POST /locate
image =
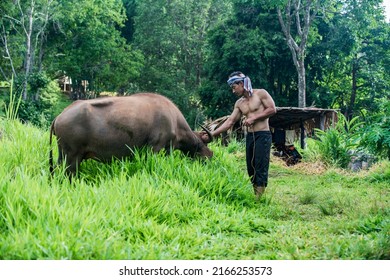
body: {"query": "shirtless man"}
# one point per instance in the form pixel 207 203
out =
pixel 256 105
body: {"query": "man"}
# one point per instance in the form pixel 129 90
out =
pixel 256 105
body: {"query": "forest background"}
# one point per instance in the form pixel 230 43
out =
pixel 323 53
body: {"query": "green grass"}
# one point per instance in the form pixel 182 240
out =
pixel 172 207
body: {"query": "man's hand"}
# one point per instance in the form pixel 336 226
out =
pixel 204 136
pixel 248 122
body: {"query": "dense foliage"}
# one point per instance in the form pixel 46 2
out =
pixel 376 132
pixel 186 49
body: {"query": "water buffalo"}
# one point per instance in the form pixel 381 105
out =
pixel 110 127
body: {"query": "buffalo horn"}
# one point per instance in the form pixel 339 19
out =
pixel 208 132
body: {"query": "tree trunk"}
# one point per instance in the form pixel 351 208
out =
pixel 41 52
pixel 301 84
pixel 298 51
pixel 4 40
pixel 41 37
pixel 29 56
pixel 350 107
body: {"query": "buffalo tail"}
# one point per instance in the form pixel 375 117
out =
pixel 51 166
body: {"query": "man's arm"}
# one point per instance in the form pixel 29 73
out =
pixel 233 118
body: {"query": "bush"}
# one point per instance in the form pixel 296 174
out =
pixel 376 135
pixel 337 143
pixel 311 153
pixel 45 105
pixel 33 112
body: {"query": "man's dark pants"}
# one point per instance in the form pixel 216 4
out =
pixel 258 150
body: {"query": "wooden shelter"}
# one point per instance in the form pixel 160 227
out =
pixel 301 122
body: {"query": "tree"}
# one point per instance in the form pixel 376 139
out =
pixel 300 13
pixel 172 35
pixel 80 38
pixel 363 19
pixel 28 19
pixel 248 41
pixel 349 66
pixel 86 44
pixel 6 61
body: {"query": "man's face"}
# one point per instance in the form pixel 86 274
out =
pixel 238 89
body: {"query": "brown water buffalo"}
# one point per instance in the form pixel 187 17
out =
pixel 110 127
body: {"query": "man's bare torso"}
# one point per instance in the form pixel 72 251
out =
pixel 252 106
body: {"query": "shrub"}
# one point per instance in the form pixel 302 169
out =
pixel 336 144
pixel 41 109
pixel 311 153
pixel 376 135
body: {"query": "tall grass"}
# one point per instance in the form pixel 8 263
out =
pixel 11 110
pixel 158 206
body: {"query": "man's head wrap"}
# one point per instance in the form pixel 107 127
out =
pixel 241 78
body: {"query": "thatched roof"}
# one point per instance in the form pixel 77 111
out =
pixel 288 116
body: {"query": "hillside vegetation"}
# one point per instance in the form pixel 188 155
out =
pixel 172 207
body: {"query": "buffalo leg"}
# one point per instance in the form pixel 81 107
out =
pixel 72 162
pixel 72 166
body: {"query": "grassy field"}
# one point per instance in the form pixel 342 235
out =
pixel 172 207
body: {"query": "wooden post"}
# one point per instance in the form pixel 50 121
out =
pixel 302 134
pixel 322 121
